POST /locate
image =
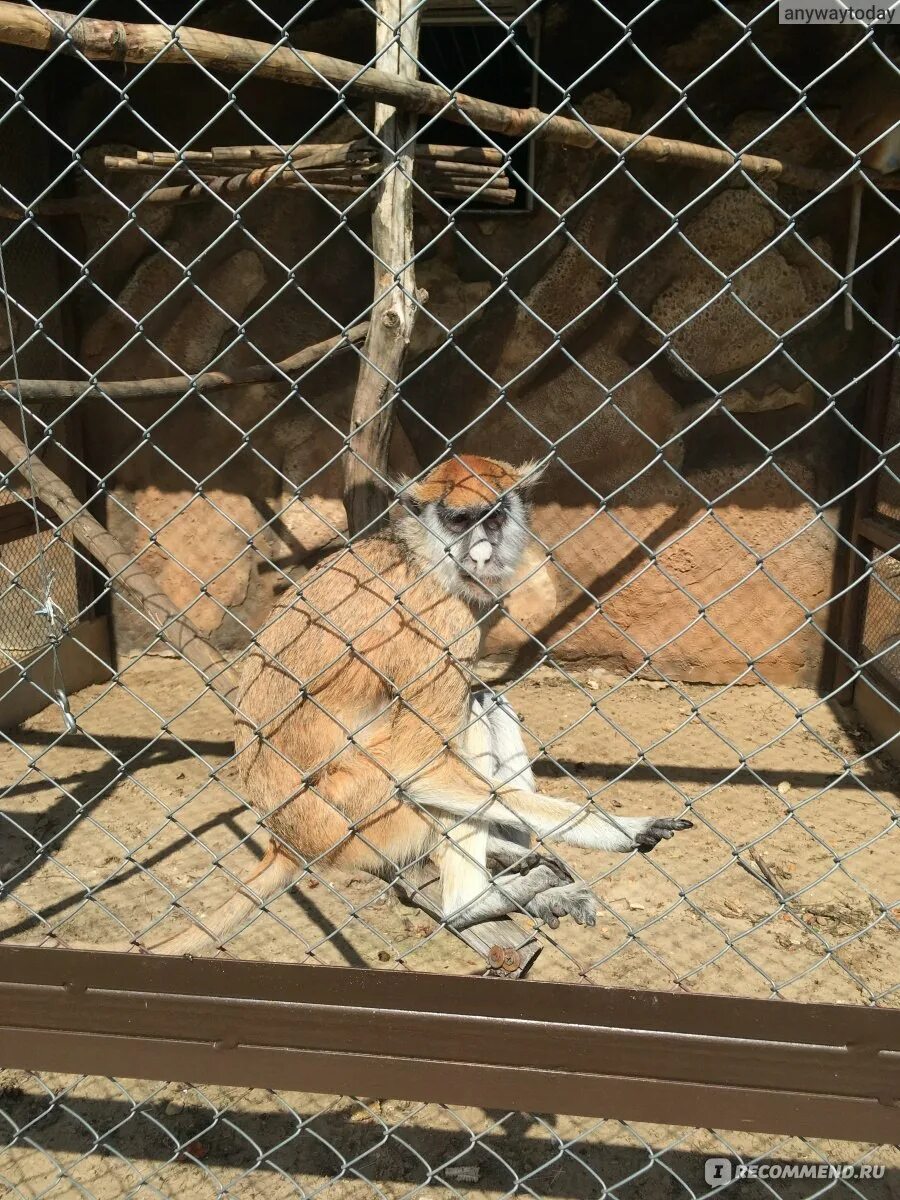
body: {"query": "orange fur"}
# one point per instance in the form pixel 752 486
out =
pixel 358 683
pixel 466 482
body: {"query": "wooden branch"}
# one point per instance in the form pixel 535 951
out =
pixel 234 187
pixel 237 187
pixel 462 154
pixel 438 176
pixel 177 631
pixel 80 205
pixel 240 159
pixel 245 157
pixel 317 172
pixel 446 166
pixel 480 196
pixel 120 41
pixel 66 390
pixel 393 253
pixel 263 156
pixel 313 168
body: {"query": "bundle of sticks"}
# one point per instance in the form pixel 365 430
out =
pixel 344 168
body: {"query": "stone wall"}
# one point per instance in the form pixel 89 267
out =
pixel 655 507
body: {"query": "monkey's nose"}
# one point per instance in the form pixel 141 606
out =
pixel 480 552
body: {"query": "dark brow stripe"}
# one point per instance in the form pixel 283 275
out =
pixel 476 513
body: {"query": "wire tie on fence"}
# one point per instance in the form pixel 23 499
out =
pixel 63 701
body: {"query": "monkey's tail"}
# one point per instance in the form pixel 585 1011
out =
pixel 276 872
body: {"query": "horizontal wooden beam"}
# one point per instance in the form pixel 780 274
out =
pixel 722 1062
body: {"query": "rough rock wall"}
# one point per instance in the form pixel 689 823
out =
pixel 659 503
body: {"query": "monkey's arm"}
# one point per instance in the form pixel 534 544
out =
pixel 451 786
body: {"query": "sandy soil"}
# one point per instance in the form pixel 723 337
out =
pixel 137 814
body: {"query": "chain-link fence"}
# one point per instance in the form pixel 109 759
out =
pixel 649 252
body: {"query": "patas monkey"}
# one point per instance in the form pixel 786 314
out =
pixel 360 742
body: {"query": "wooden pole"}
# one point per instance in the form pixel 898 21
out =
pixel 67 390
pixel 393 253
pixel 120 41
pixel 124 573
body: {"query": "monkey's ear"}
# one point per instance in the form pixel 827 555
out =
pixel 405 492
pixel 530 473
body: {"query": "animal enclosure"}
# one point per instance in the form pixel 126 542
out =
pixel 267 267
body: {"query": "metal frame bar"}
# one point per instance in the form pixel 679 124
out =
pixel 804 1069
pixel 868 531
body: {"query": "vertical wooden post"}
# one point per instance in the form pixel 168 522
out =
pixel 371 422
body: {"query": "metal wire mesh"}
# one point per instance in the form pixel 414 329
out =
pixel 688 348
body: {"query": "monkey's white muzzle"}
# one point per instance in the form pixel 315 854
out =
pixel 481 552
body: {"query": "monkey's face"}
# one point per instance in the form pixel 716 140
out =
pixel 467 521
pixel 476 549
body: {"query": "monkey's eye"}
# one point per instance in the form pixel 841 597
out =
pixel 493 522
pixel 456 521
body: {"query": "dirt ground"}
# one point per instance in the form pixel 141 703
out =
pixel 137 813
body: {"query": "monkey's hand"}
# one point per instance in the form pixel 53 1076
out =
pixel 575 900
pixel 641 833
pixel 656 829
pixel 509 857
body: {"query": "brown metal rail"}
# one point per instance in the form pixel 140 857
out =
pixel 713 1061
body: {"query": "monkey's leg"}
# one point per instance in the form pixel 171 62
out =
pixel 511 761
pixel 507 845
pixel 510 847
pixel 469 896
pixel 516 806
pixel 463 853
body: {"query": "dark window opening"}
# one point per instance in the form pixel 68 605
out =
pixel 483 60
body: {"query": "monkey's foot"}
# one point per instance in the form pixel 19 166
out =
pixel 575 900
pixel 656 829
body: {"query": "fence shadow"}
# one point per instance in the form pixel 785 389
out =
pixel 576 1159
